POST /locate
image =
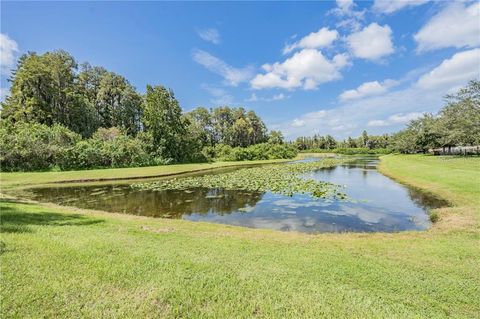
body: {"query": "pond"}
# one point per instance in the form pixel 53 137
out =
pixel 377 203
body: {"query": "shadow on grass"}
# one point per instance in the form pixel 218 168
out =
pixel 16 220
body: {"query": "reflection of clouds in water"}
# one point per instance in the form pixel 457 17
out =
pixel 306 224
pixel 290 203
pixel 391 207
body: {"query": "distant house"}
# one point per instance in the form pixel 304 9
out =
pixel 456 150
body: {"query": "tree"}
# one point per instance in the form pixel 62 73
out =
pixel 330 142
pixel 257 131
pixel 275 137
pixel 163 119
pixel 117 103
pixel 459 121
pixel 42 89
pixel 200 126
pixel 364 139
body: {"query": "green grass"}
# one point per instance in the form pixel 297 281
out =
pixel 454 178
pixel 21 179
pixel 60 262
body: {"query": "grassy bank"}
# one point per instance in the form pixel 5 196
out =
pixel 59 262
pixel 21 179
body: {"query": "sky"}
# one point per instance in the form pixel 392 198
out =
pixel 324 67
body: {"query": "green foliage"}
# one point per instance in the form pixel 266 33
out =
pixel 275 137
pixel 282 179
pixel 48 89
pixel 108 148
pixel 350 151
pixel 225 125
pixel 457 124
pixel 263 151
pixel 26 146
pixel 328 143
pixel 163 119
pixel 434 217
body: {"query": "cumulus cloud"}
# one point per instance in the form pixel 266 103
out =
pixel 209 35
pixel 457 25
pixel 322 38
pixel 389 111
pixel 372 42
pixel 305 69
pixel 8 52
pixel 350 18
pixel 399 118
pixel 391 6
pixel 453 72
pixel 367 89
pixel 233 76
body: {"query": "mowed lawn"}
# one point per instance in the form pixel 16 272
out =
pixel 20 179
pixel 60 262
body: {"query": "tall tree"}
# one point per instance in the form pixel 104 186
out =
pixel 163 119
pixel 275 137
pixel 42 89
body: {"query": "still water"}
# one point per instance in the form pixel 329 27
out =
pixel 377 203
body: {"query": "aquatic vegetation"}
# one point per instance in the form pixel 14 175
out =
pixel 281 179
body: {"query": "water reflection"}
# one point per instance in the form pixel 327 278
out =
pixel 380 204
pixel 168 203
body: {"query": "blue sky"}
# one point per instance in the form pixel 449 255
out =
pixel 306 67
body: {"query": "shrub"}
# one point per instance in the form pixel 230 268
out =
pixel 26 146
pixel 263 151
pixel 434 217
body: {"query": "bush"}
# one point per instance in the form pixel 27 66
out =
pixel 109 148
pixel 263 151
pixel 27 147
pixel 434 217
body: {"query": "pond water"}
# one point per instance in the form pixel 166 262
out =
pixel 377 203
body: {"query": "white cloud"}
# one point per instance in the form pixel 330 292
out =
pixel 453 72
pixel 209 35
pixel 345 5
pixel 377 123
pixel 350 18
pixel 275 97
pixel 399 118
pixel 220 95
pixel 388 112
pixel 367 89
pixel 8 52
pixel 307 69
pixel 457 25
pixel 233 76
pixel 372 42
pixel 390 6
pixel 298 123
pixel 404 118
pixel 322 38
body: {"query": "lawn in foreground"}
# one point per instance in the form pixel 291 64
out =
pixel 72 263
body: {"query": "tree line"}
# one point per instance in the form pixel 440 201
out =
pixel 456 124
pixel 62 114
pixel 59 114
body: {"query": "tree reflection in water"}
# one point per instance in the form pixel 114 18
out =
pixel 168 203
